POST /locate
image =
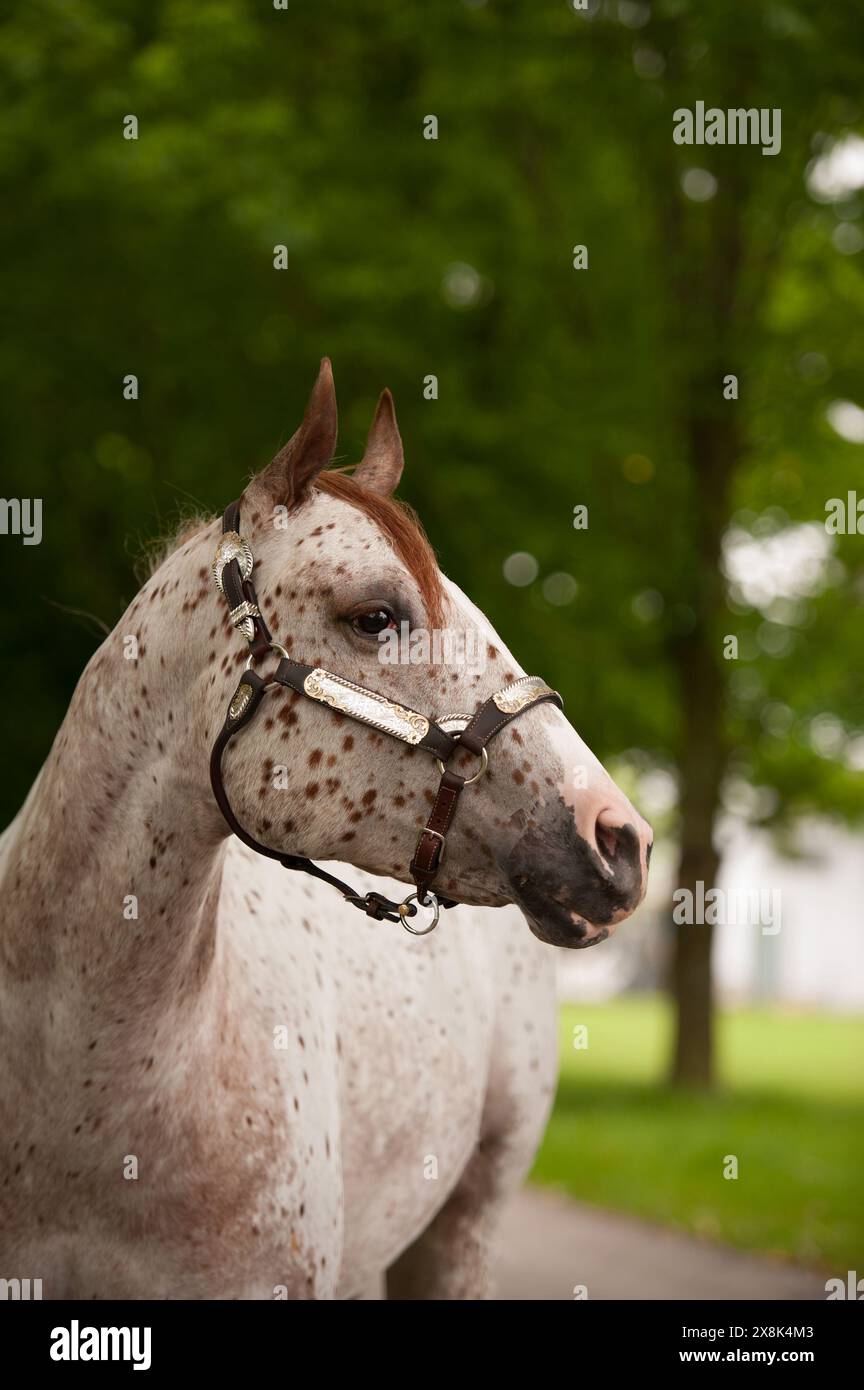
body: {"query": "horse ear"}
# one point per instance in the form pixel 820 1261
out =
pixel 381 465
pixel 309 450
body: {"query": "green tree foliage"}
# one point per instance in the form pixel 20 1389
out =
pixel 407 257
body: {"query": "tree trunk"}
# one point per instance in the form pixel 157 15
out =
pixel 713 446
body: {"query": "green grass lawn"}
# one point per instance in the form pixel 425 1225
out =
pixel 789 1106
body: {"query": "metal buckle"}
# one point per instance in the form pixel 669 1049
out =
pixel 431 901
pixel 438 836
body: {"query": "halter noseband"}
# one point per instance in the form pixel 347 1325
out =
pixel 232 571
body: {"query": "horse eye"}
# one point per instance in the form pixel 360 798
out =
pixel 369 624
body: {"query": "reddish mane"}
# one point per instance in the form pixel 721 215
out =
pixel 401 525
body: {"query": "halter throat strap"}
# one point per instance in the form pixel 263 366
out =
pixel 232 570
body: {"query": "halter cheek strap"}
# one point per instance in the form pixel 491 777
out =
pixel 232 570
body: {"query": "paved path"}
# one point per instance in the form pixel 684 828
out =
pixel 549 1244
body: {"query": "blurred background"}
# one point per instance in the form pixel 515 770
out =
pixel 444 268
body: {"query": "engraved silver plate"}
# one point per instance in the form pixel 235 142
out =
pixel 366 706
pixel 232 547
pixel 516 696
pixel 454 723
pixel 240 702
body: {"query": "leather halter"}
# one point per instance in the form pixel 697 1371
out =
pixel 232 571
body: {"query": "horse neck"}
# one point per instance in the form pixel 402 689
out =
pixel 112 869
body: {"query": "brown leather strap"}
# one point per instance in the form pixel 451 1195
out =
pixel 436 740
pixel 433 836
pixel 489 720
pixel 242 708
pixel 239 590
pixel 243 705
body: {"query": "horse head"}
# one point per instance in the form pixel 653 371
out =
pixel 348 584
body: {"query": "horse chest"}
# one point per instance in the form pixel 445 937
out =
pixel 383 1053
pixel 202 1191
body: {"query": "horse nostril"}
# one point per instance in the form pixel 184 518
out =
pixel 607 840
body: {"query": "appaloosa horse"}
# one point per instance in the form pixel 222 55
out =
pixel 220 1080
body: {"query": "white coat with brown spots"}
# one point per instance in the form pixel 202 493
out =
pixel 219 1080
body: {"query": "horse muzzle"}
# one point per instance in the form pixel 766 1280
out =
pixel 574 890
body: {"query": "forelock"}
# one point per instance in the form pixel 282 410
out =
pixel 400 526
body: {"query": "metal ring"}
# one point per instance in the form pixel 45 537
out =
pixel 274 647
pixel 412 897
pixel 484 763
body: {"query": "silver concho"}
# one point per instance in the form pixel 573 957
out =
pixel 240 702
pixel 516 696
pixel 231 547
pixel 366 706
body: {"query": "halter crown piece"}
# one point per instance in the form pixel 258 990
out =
pixel 232 573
